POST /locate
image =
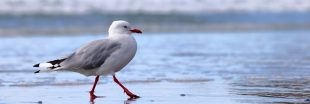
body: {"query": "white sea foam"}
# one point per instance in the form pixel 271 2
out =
pixel 149 6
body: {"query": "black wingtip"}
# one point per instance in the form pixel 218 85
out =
pixel 37 71
pixel 36 65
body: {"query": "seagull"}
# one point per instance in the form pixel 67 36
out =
pixel 100 57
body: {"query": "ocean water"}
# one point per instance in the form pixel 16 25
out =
pixel 169 68
pixel 97 23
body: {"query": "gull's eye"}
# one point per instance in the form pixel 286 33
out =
pixel 125 27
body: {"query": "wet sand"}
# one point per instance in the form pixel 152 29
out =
pixel 216 91
pixel 154 92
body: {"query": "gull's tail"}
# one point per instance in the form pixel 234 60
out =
pixel 48 66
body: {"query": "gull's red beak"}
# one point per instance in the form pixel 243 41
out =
pixel 136 31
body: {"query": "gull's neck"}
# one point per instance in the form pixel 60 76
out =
pixel 115 36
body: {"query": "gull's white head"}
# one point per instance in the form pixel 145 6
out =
pixel 122 27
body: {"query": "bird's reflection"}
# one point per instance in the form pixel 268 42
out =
pixel 130 100
pixel 127 101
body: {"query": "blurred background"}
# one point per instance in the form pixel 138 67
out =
pixel 70 17
pixel 191 51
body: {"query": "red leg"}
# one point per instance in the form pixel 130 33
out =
pixel 130 94
pixel 92 95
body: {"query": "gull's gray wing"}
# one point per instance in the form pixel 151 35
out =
pixel 91 55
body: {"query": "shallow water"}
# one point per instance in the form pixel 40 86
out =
pixel 263 67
